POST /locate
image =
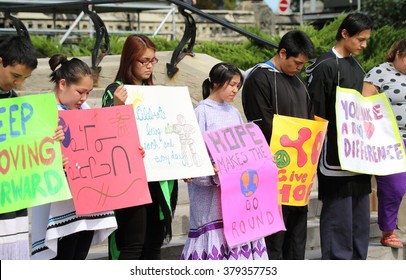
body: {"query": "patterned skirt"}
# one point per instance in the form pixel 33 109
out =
pixel 208 243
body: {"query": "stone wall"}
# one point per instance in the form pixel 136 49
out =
pixel 192 72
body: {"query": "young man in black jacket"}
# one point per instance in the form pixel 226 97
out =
pixel 345 214
pixel 276 87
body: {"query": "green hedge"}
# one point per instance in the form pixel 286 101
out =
pixel 245 54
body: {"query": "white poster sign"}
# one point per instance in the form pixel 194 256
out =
pixel 169 133
pixel 369 141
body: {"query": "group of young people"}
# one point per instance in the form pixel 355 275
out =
pixel 57 231
pixel 272 87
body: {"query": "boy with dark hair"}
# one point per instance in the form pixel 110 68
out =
pixel 345 214
pixel 276 87
pixel 17 61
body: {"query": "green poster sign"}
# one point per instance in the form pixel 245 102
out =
pixel 30 160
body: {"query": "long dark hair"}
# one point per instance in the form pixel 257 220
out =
pixel 134 47
pixel 71 70
pixel 220 74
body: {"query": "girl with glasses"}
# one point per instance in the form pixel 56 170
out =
pixel 141 230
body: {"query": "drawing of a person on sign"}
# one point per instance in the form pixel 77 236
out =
pixel 185 132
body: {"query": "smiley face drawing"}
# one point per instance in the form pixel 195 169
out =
pixel 249 182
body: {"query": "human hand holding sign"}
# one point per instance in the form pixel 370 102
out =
pixel 120 95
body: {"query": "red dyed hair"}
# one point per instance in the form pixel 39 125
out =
pixel 133 49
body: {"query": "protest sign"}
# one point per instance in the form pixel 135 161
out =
pixel 368 140
pixel 105 169
pixel 169 132
pixel 30 160
pixel 248 181
pixel 296 144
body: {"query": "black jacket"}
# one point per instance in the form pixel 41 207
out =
pixel 266 92
pixel 324 76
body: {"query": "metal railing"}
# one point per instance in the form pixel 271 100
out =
pixel 190 34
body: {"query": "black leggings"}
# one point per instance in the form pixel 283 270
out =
pixel 139 233
pixel 74 246
pixel 130 233
pixel 154 237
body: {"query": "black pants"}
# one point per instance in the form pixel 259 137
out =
pixel 139 233
pixel 130 234
pixel 289 244
pixel 74 246
pixel 344 228
pixel 154 236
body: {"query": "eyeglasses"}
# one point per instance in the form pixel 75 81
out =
pixel 154 60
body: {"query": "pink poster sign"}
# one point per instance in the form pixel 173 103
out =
pixel 248 178
pixel 105 169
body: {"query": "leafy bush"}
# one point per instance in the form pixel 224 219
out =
pixel 46 47
pixel 379 44
pixel 244 54
pixel 325 38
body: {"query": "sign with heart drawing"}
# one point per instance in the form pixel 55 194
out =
pixel 369 129
pixel 368 138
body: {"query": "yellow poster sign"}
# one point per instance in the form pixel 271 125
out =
pixel 296 144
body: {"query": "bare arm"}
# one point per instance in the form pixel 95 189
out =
pixel 369 89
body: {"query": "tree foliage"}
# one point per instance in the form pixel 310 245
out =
pixel 386 12
pixel 211 4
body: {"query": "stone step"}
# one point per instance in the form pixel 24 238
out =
pixel 180 226
pixel 313 235
pixel 173 250
pixel 314 206
pixel 378 252
pixel 375 250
